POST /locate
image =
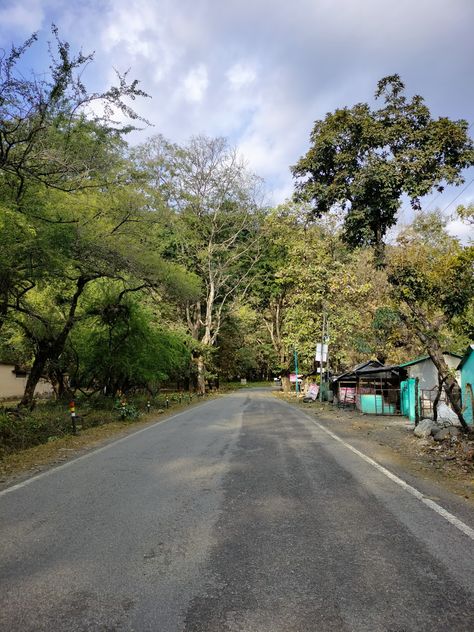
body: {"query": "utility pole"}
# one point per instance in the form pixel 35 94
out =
pixel 323 336
pixel 296 370
pixel 327 355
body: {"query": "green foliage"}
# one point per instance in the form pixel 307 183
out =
pixel 127 411
pixel 49 132
pixel 432 273
pixel 466 213
pixel 121 348
pixel 363 160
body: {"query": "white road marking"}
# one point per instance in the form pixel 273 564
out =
pixel 411 490
pixel 96 451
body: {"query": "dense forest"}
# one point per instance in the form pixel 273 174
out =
pixel 124 266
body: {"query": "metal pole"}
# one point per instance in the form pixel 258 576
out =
pixel 327 355
pixel 322 356
pixel 296 370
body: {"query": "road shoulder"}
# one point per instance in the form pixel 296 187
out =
pixel 390 442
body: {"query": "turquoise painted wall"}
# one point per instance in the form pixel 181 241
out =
pixel 467 377
pixel 408 398
pixel 375 405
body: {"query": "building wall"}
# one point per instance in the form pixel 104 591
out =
pixel 467 377
pixel 427 373
pixel 13 386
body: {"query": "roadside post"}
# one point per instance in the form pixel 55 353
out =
pixel 296 371
pixel 72 410
pixel 148 406
pixel 123 411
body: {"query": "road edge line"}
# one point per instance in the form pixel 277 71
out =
pixel 464 528
pixel 441 511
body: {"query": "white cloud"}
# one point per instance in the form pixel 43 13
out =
pixel 463 231
pixel 241 75
pixel 195 84
pixel 25 18
pixel 262 72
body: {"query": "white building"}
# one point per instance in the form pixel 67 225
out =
pixel 13 381
pixel 424 369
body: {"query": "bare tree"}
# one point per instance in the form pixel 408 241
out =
pixel 215 201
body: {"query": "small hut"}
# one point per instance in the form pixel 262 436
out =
pixel 370 387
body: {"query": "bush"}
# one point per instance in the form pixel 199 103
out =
pixel 18 432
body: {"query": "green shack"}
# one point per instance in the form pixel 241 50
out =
pixel 466 368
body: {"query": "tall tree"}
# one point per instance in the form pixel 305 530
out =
pixel 432 277
pixel 51 138
pixel 364 160
pixel 215 213
pixel 52 128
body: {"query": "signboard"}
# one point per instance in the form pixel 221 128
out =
pixel 312 392
pixel 293 378
pixel 321 353
pixel 347 395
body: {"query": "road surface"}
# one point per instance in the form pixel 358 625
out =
pixel 239 514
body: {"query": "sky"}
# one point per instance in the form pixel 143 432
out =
pixel 260 72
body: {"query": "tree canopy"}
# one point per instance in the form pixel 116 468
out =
pixel 363 160
pixel 125 267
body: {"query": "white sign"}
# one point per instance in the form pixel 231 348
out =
pixel 321 353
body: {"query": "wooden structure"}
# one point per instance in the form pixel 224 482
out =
pixel 370 387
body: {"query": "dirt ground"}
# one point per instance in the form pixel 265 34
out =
pixel 391 440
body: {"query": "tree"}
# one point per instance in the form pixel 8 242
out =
pixel 51 131
pixel 120 347
pixel 362 160
pixel 466 213
pixel 103 235
pixel 214 204
pixel 70 206
pixel 51 139
pixel 244 348
pixel 305 271
pixel 270 292
pixel 432 277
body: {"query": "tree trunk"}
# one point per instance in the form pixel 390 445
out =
pixel 451 387
pixel 34 376
pixel 286 384
pixel 50 350
pixel 437 398
pixel 201 375
pixel 432 346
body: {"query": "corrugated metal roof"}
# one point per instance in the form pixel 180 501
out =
pixel 427 357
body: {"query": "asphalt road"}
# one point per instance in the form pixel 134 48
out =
pixel 239 514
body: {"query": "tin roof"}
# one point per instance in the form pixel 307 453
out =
pixel 427 357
